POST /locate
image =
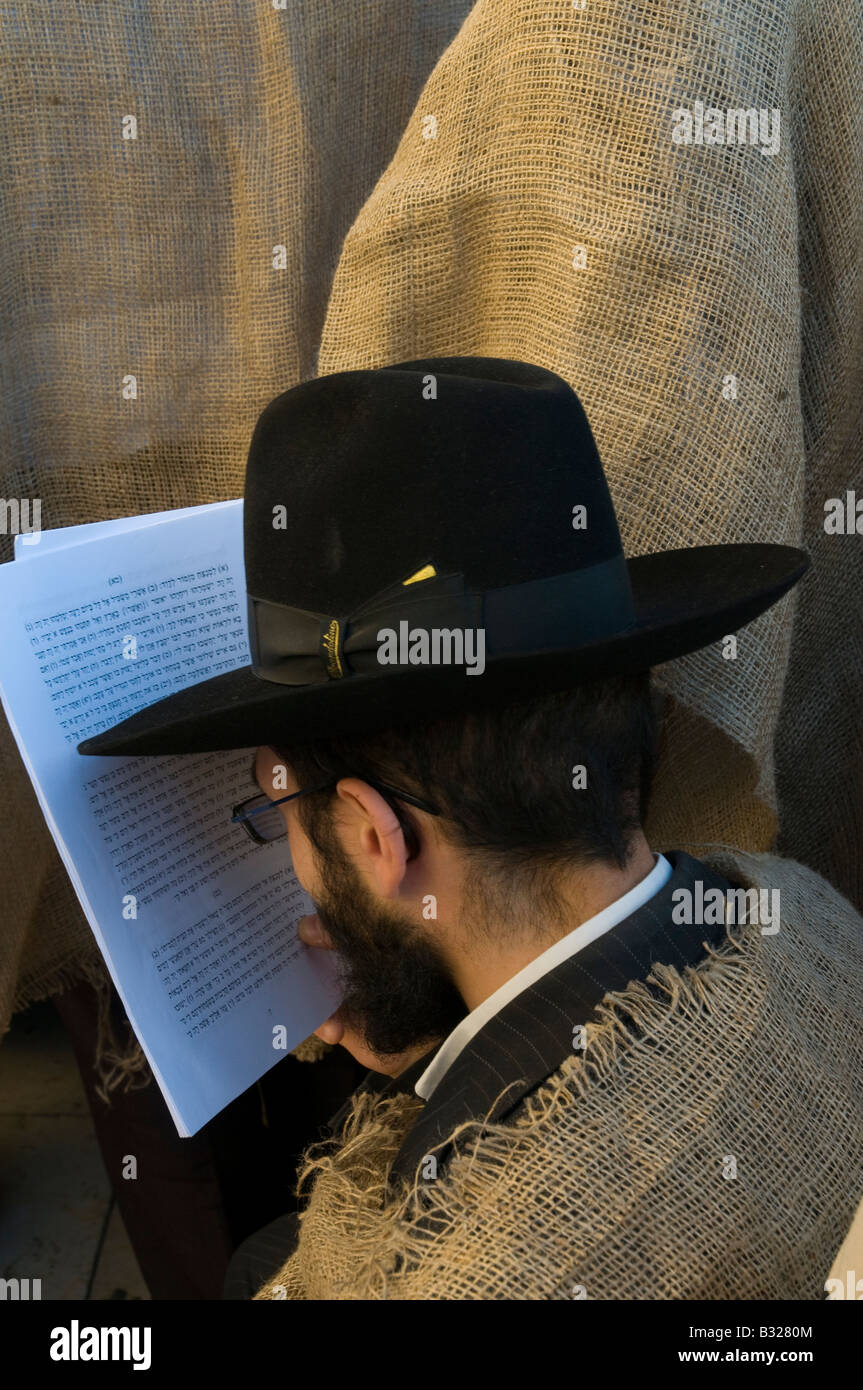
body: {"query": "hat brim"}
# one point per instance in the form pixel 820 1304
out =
pixel 684 600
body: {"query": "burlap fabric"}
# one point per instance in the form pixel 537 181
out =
pixel 708 1143
pixel 257 129
pixel 498 179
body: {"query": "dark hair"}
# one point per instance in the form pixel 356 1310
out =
pixel 502 777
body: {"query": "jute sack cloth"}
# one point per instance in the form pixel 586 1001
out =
pixel 256 129
pixel 548 216
pixel 707 1143
pixel 538 207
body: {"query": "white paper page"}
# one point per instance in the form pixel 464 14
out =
pixel 25 546
pixel 212 962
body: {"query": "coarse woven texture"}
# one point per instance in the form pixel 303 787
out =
pixel 257 129
pixel 708 1142
pixel 544 213
pixel 549 216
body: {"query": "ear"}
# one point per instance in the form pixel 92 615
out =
pixel 373 836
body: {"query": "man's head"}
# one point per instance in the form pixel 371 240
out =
pixel 535 799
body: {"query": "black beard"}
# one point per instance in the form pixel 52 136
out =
pixel 398 991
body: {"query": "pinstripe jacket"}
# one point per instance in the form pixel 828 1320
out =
pixel 519 1047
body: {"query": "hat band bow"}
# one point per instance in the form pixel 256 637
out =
pixel 295 646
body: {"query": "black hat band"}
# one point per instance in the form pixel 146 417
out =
pixel 293 646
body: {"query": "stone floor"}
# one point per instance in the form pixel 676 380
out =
pixel 58 1218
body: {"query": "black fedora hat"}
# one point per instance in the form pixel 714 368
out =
pixel 435 535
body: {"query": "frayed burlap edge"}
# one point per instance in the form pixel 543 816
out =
pixel 375 1128
pixel 118 1064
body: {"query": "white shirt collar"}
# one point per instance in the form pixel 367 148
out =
pixel 567 946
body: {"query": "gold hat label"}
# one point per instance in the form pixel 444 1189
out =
pixel 330 642
pixel 427 572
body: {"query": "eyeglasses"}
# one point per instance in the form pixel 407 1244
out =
pixel 269 824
